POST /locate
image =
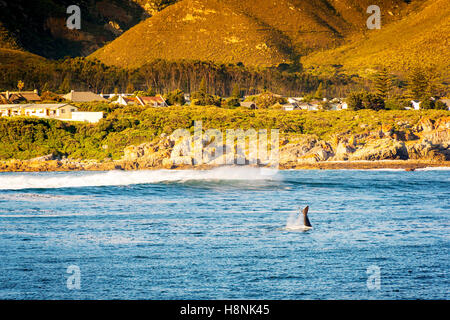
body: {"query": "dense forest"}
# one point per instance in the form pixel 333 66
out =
pixel 162 76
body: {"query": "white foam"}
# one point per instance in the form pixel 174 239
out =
pixel 295 223
pixel 434 169
pixel 123 178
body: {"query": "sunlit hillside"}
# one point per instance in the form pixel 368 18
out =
pixel 255 32
pixel 420 39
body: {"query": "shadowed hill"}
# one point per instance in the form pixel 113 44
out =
pixel 40 26
pixel 255 32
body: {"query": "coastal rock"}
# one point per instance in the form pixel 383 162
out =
pixel 425 125
pixel 294 151
pixel 381 149
pixel 425 150
pixel 321 152
pixel 343 150
pixel 47 157
pixel 441 132
pixel 149 154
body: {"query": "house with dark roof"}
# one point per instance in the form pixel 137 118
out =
pixel 19 97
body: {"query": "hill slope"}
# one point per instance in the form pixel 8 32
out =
pixel 420 39
pixel 255 32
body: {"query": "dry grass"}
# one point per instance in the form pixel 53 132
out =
pixel 255 32
pixel 420 39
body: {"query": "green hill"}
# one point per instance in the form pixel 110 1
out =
pixel 255 32
pixel 421 39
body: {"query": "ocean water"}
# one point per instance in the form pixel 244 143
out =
pixel 227 233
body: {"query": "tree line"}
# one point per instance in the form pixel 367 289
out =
pixel 164 77
pixel 160 76
pixel 389 92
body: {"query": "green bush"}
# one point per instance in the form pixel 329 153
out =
pixel 175 97
pixel 364 100
pixel 429 103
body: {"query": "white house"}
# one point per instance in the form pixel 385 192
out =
pixel 447 102
pixel 59 111
pixel 127 101
pixel 50 110
pixel 290 106
pixel 310 106
pixel 91 117
pixel 339 106
pixel 295 99
pixel 415 104
pixel 156 101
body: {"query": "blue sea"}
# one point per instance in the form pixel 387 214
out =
pixel 227 233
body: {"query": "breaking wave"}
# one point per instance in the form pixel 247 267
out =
pixel 123 178
pixel 434 169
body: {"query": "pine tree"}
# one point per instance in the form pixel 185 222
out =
pixel 150 92
pixel 65 85
pixel 383 83
pixel 418 84
pixel 130 88
pixel 319 92
pixel 236 92
pixel 202 87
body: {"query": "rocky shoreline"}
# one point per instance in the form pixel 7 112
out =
pixel 427 144
pixel 62 166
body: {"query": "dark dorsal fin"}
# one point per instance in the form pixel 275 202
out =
pixel 305 217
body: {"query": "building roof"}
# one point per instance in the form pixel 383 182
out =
pixel 248 104
pixel 85 96
pixel 36 106
pixel 12 97
pixel 30 96
pixel 3 99
pixel 152 100
pixel 19 95
pixel 446 101
pixel 131 99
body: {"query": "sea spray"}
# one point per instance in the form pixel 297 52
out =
pixel 294 221
pixel 16 181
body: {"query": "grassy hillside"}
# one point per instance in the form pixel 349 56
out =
pixel 255 32
pixel 420 39
pixel 40 26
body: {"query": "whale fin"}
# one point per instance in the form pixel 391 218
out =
pixel 305 217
